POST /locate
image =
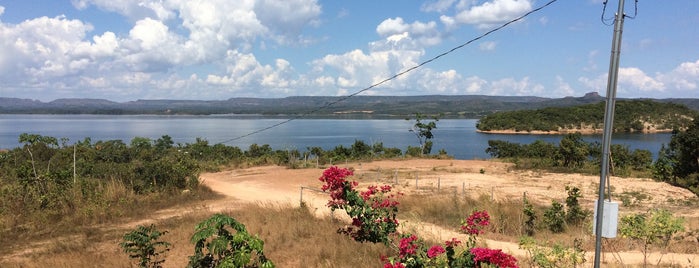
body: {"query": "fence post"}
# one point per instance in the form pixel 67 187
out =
pixel 439 183
pixel 416 177
pixel 463 188
pixel 395 176
pixel 301 197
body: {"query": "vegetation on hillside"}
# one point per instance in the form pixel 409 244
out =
pixel 678 164
pixel 629 116
pixel 571 154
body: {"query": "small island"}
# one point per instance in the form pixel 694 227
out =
pixel 630 116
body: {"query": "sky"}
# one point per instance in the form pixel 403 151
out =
pixel 125 50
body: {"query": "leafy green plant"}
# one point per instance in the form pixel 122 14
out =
pixel 575 214
pixel 144 245
pixel 552 257
pixel 554 217
pixel 217 246
pixel 652 228
pixel 530 220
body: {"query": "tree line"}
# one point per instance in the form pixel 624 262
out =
pixel 629 116
pixel 677 163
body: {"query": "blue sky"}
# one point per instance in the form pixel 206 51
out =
pixel 219 49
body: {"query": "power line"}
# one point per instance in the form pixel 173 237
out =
pixel 395 75
pixel 610 21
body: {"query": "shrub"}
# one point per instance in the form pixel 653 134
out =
pixel 554 217
pixel 144 245
pixel 575 214
pixel 652 228
pixel 216 246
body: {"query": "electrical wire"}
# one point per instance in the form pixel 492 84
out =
pixel 602 18
pixel 395 75
pixel 635 10
pixel 610 21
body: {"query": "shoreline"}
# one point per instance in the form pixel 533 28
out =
pixel 566 131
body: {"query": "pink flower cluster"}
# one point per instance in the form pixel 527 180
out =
pixel 452 243
pixel 407 246
pixel 435 251
pixel 377 198
pixel 475 222
pixel 335 183
pixel 493 256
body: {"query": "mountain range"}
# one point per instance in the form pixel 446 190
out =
pixel 450 106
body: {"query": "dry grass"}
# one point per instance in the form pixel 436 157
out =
pixel 293 238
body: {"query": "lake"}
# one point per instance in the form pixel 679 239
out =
pixel 457 136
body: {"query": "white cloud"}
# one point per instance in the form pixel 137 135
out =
pixel 630 81
pixel 490 13
pixel 487 46
pixel 424 33
pixel 684 77
pixel 41 50
pixel 134 9
pixel 285 19
pixel 563 88
pixel 635 78
pixel 243 71
pixel 2 10
pixel 437 5
pixel 511 86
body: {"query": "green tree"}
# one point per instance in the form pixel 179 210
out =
pixel 503 149
pixel 144 245
pixel 572 150
pixel 663 166
pixel 652 228
pixel 554 217
pixel 163 143
pixel 575 214
pixel 685 149
pixel 679 164
pixel 360 149
pixel 423 131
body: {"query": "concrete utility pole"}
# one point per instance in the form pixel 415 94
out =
pixel 608 126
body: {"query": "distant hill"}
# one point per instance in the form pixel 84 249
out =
pixel 629 116
pixel 459 106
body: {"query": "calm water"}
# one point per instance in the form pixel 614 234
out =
pixel 458 136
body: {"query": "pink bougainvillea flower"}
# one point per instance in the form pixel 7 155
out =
pixel 452 243
pixel 435 251
pixel 475 222
pixel 334 183
pixel 407 246
pixel 493 256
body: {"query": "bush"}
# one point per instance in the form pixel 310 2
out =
pixel 144 245
pixel 554 217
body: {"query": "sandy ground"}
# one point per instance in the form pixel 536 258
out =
pixel 498 180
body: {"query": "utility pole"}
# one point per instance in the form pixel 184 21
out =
pixel 608 126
